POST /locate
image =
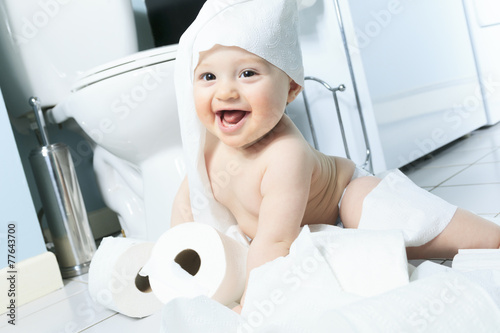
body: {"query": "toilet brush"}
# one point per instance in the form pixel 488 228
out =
pixel 62 202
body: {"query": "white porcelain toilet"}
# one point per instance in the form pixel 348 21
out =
pixel 127 107
pixel 80 58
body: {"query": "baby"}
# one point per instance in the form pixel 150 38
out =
pixel 279 182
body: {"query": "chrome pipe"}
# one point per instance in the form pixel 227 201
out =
pixel 368 158
pixel 337 108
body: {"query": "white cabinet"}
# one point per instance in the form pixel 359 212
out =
pixel 421 74
pixel 415 70
pixel 484 24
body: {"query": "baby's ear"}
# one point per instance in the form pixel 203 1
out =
pixel 294 91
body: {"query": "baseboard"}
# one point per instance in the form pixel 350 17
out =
pixel 31 279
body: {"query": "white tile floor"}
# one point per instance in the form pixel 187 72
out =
pixel 466 173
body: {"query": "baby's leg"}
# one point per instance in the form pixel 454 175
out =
pixel 465 230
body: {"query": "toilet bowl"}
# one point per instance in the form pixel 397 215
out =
pixel 127 108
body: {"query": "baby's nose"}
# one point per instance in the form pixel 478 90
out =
pixel 227 91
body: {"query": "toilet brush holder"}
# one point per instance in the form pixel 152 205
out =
pixel 62 202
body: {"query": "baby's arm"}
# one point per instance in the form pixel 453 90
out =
pixel 285 191
pixel 181 208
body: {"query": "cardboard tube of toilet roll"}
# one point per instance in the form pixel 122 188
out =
pixel 195 259
pixel 114 281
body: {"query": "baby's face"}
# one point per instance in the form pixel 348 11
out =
pixel 240 97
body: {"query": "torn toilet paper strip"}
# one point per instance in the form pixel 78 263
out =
pixel 398 204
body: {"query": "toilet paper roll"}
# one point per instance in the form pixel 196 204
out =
pixel 114 281
pixel 194 259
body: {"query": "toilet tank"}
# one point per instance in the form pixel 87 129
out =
pixel 46 44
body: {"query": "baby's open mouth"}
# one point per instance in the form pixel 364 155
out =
pixel 230 118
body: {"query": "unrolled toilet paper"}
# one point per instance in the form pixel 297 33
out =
pixel 355 254
pixel 427 269
pixel 300 293
pixel 396 203
pixel 474 259
pixel 114 281
pixel 195 259
pixel 481 266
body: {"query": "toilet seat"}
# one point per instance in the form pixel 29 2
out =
pixel 126 64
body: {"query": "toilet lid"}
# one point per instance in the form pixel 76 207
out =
pixel 126 64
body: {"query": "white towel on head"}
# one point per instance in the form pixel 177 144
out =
pixel 267 28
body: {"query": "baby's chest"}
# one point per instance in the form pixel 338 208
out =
pixel 236 184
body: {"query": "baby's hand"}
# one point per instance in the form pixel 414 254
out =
pixel 237 309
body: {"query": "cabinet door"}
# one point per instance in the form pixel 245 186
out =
pixel 421 74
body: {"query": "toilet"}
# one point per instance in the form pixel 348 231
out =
pixel 128 109
pixel 122 100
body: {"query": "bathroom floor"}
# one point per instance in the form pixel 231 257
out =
pixel 465 173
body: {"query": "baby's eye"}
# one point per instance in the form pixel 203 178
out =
pixel 208 77
pixel 248 73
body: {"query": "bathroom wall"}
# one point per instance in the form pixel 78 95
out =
pixel 15 200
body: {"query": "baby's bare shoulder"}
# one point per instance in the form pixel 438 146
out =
pixel 289 151
pixel 288 163
pixel 286 154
